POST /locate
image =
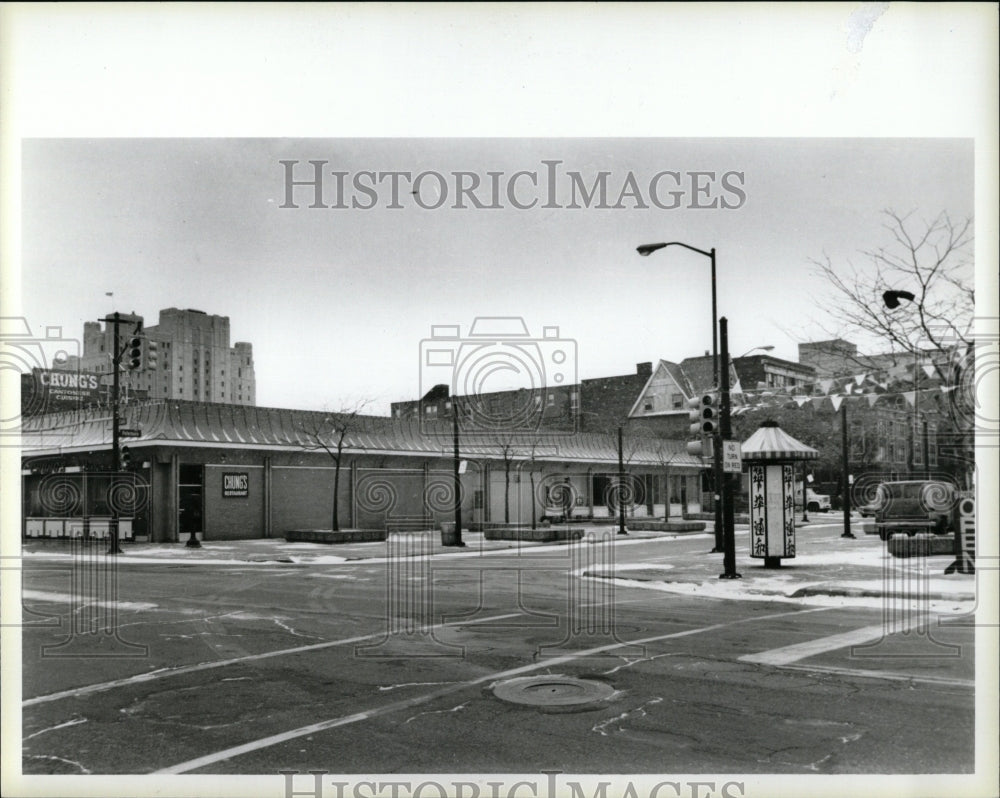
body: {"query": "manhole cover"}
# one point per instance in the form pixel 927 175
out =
pixel 553 691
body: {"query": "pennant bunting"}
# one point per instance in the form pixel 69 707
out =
pixel 908 396
pixel 825 385
pixel 860 378
pixel 836 400
pixel 817 401
pixel 930 371
pixel 801 400
pixel 872 399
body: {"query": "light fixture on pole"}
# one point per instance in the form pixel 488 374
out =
pixel 766 348
pixel 717 481
pixel 891 299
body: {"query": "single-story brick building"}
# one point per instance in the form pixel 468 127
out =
pixel 229 472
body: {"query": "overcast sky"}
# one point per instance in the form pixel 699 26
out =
pixel 336 301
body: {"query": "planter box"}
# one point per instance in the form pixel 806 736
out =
pixel 921 545
pixel 540 535
pixel 343 536
pixel 668 526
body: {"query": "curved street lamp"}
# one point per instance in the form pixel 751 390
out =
pixel 717 477
pixel 891 299
pixel 648 249
pixel 766 348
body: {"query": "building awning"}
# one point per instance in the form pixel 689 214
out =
pixel 185 423
pixel 770 442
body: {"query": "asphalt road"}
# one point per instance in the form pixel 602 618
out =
pixel 389 667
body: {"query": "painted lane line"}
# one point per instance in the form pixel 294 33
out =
pixel 66 598
pixel 793 653
pixel 164 673
pixel 303 731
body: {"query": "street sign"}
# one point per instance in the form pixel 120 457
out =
pixel 130 433
pixel 732 458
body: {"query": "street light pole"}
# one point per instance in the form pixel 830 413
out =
pixel 846 479
pixel 645 250
pixel 891 300
pixel 725 433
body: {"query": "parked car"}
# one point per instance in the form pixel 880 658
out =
pixel 913 506
pixel 868 510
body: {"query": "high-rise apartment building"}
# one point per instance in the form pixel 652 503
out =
pixel 194 360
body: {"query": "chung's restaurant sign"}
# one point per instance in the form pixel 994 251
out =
pixel 67 384
pixel 235 485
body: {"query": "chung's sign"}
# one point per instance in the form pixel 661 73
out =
pixel 235 485
pixel 67 384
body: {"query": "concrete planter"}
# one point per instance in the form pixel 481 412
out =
pixel 668 526
pixel 329 536
pixel 540 535
pixel 921 545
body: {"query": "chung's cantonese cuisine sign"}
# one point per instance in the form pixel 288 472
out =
pixel 235 485
pixel 53 384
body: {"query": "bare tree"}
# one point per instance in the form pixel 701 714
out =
pixel 329 432
pixel 930 259
pixel 505 443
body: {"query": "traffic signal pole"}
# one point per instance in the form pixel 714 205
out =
pixel 717 475
pixel 725 433
pixel 116 359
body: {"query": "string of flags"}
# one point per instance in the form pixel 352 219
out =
pixel 831 392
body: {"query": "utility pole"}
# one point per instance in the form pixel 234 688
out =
pixel 725 433
pixel 116 359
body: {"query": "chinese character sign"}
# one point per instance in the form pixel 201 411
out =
pixel 772 511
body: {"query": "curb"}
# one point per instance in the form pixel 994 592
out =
pixel 805 592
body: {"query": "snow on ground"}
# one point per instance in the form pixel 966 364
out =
pixel 757 589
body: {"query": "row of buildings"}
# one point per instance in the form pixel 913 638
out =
pixel 203 459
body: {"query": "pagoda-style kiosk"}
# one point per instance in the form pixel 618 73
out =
pixel 770 453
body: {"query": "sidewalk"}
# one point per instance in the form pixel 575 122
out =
pixel 855 571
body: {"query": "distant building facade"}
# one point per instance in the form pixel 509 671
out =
pixel 195 360
pixel 765 371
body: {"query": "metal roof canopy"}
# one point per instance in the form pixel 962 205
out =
pixel 772 444
pixel 197 424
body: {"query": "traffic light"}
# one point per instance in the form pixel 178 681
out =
pixel 125 458
pixel 152 351
pixel 703 413
pixel 134 352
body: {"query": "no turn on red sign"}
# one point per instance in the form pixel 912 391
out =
pixel 732 457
